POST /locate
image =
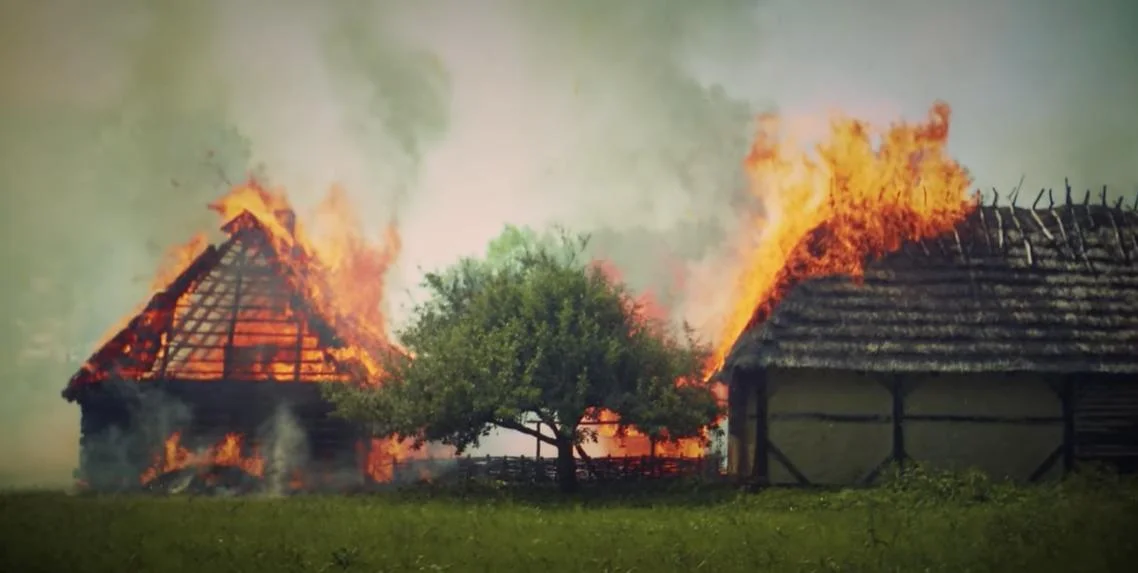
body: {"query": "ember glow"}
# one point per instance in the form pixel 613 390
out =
pixel 853 200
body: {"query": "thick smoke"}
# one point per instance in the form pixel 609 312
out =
pixel 286 448
pixel 120 121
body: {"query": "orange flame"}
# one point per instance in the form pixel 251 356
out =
pixel 228 452
pixel 380 456
pixel 344 271
pixel 854 201
pixel 174 261
pixel 612 439
pixel 630 442
pixel 177 259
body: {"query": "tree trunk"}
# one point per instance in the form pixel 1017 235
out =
pixel 566 467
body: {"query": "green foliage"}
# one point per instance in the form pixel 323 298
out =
pixel 922 485
pixel 709 529
pixel 926 485
pixel 534 332
pixel 514 242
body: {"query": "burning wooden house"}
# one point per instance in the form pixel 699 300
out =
pixel 223 368
pixel 1009 344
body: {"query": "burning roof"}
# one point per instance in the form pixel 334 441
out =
pixel 1007 289
pixel 872 256
pixel 262 305
pixel 863 193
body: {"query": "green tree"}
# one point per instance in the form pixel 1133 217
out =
pixel 533 332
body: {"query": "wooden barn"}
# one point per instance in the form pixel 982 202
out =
pixel 1008 345
pixel 232 352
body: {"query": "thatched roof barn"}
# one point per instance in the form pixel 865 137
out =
pixel 1009 345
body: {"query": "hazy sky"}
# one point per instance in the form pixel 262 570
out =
pixel 456 117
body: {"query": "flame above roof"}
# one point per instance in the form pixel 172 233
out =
pixel 1009 289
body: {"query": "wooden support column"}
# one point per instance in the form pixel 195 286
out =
pixel 896 386
pixel 897 389
pixel 1064 453
pixel 760 464
pixel 737 447
pixel 1067 399
pixel 537 453
pixel 228 359
pixel 301 328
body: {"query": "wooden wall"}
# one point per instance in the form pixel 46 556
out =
pixel 814 426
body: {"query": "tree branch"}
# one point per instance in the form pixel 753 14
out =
pixel 547 420
pixel 512 425
pixel 584 456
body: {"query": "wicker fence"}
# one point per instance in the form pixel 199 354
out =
pixel 523 469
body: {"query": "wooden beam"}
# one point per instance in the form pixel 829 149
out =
pixel 236 310
pixel 760 464
pixel 537 428
pixel 968 419
pixel 1067 399
pixel 942 418
pixel 827 417
pixel 872 474
pixel 897 454
pixel 301 329
pixel 1046 465
pixel 898 393
pixel 786 463
pixel 738 453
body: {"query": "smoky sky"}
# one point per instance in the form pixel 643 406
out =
pixel 120 120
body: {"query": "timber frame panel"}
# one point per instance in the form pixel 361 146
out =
pixel 758 454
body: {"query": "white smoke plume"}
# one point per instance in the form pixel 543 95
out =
pixel 285 449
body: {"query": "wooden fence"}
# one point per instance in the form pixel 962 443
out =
pixel 523 469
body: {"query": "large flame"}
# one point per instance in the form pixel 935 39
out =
pixel 853 200
pixel 343 272
pixel 381 456
pixel 229 452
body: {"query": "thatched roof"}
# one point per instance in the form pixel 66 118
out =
pixel 1010 289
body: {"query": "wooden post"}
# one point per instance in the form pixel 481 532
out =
pixel 897 389
pixel 760 468
pixel 227 363
pixel 1067 400
pixel 301 327
pixel 738 452
pixel 537 428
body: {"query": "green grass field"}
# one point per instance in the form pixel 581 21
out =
pixel 956 525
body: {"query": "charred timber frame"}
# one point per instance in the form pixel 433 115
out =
pixel 762 450
pixel 175 330
pixel 235 310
